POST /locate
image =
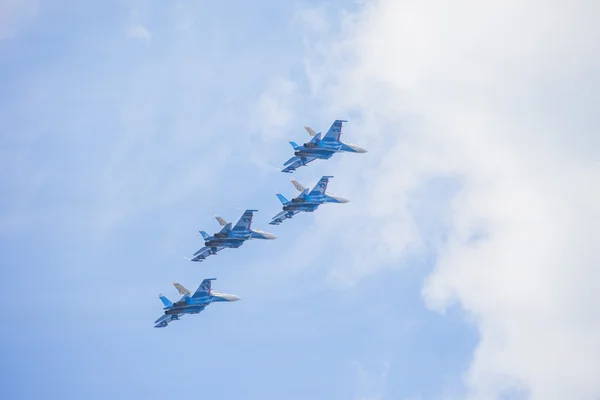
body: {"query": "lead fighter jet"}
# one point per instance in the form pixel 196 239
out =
pixel 190 303
pixel 229 236
pixel 320 148
pixel 306 201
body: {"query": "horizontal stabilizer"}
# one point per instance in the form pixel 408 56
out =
pixel 204 235
pixel 295 145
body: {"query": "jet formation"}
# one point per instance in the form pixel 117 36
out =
pixel 233 236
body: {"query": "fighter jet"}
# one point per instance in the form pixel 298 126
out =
pixel 320 148
pixel 306 201
pixel 190 303
pixel 229 236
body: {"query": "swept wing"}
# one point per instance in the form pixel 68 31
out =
pixel 204 288
pixel 204 252
pixel 334 133
pixel 296 162
pixel 320 187
pixel 245 221
pixel 163 321
pixel 282 216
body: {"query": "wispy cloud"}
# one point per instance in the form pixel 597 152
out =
pixel 139 32
pixel 437 93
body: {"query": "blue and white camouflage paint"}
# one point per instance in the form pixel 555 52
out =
pixel 230 236
pixel 318 148
pixel 307 201
pixel 190 303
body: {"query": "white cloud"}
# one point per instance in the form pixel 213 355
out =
pixel 139 32
pixel 500 97
pixel 275 108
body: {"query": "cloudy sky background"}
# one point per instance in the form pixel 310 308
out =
pixel 464 266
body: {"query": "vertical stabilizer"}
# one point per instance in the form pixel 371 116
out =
pixel 310 131
pixel 165 301
pixel 298 186
pixel 282 199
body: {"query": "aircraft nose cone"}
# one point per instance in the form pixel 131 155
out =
pixel 269 236
pixel 360 149
pixel 233 297
pixel 342 200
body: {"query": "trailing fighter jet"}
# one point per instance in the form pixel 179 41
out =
pixel 190 303
pixel 306 201
pixel 320 148
pixel 229 236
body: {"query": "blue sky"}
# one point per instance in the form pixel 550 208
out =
pixel 126 127
pixel 464 261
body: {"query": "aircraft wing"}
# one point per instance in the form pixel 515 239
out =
pixel 296 162
pixel 163 321
pixel 321 186
pixel 334 133
pixel 282 216
pixel 204 252
pixel 204 288
pixel 245 221
pixel 181 289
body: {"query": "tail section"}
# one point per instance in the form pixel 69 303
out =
pixel 310 131
pixel 304 193
pixel 298 186
pixel 181 289
pixel 282 199
pixel 204 235
pixel 165 301
pixel 221 221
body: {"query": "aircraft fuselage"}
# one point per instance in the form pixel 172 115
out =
pixel 301 206
pixel 230 241
pixel 320 153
